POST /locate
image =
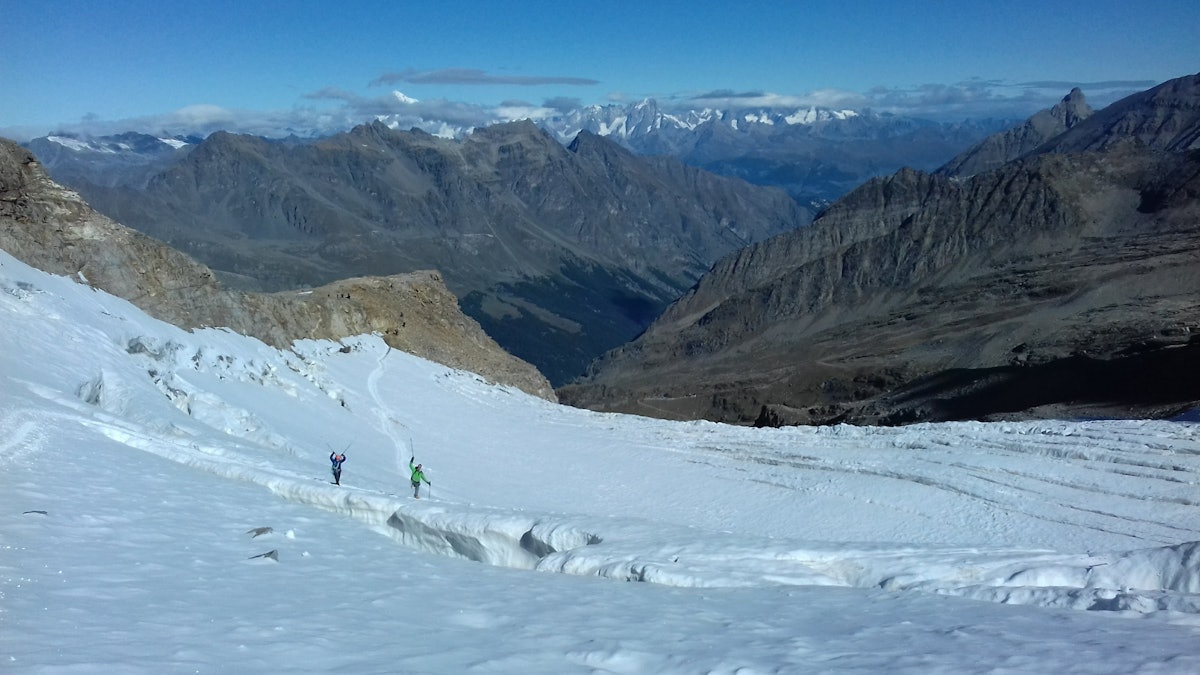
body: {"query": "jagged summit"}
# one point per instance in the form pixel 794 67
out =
pixel 999 149
pixel 1166 117
pixel 1073 109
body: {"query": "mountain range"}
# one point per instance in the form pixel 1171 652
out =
pixel 815 154
pixel 1048 271
pixel 560 252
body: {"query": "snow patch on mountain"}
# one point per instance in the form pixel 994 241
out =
pixel 74 144
pixel 631 121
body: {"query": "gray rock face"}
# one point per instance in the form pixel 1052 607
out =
pixel 53 229
pixel 559 252
pixel 1060 284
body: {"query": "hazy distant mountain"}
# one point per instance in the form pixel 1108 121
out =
pixel 816 154
pixel 559 252
pixel 1063 283
pixel 128 159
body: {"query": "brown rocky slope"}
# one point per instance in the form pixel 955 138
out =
pixel 53 229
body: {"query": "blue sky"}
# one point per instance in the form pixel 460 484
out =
pixel 267 64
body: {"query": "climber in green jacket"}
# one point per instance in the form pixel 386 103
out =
pixel 417 477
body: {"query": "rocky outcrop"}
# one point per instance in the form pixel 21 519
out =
pixel 1059 284
pixel 52 228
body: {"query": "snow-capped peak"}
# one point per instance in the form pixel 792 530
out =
pixel 73 143
pixel 814 115
pixel 625 122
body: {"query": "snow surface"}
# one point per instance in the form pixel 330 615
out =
pixel 78 145
pixel 142 463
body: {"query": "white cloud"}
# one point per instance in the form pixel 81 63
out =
pixel 516 111
pixel 407 100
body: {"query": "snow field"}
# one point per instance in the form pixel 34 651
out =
pixel 139 460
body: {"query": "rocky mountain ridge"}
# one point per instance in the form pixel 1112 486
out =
pixel 1062 283
pixel 999 149
pixel 52 228
pixel 1161 118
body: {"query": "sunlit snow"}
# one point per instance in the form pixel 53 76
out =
pixel 78 145
pixel 167 507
